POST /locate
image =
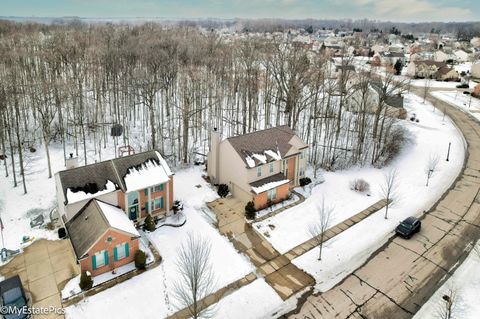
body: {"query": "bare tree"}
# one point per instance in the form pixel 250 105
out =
pixel 197 279
pixel 318 228
pixel 431 166
pixel 389 189
pixel 446 307
pixel 426 89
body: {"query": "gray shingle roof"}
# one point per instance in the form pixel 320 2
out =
pixel 86 227
pixel 275 138
pixel 270 179
pixel 94 177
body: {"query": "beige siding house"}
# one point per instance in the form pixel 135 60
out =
pixel 259 166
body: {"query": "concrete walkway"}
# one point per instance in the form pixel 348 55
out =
pixel 44 268
pixel 286 278
pixel 402 275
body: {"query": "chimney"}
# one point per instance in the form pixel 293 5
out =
pixel 71 162
pixel 213 156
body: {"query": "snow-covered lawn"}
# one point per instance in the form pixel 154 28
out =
pixel 464 102
pixel 151 292
pixel 465 283
pixel 347 251
pixel 255 300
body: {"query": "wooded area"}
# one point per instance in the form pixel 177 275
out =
pixel 170 86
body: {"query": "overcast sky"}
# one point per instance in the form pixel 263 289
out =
pixel 393 10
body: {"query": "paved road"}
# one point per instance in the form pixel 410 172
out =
pixel 402 275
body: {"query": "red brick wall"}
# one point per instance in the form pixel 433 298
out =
pixel 261 201
pixel 144 198
pixel 117 238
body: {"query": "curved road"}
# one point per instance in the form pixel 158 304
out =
pixel 402 275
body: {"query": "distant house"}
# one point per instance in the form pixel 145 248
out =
pixel 461 56
pixel 259 166
pixel 475 71
pixel 431 70
pixel 102 237
pixel 440 56
pixel 138 184
pixel 390 58
pixel 393 103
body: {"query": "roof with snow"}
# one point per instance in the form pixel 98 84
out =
pixel 127 173
pixel 268 183
pixel 265 146
pixel 92 221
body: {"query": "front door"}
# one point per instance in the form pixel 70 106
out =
pixel 132 199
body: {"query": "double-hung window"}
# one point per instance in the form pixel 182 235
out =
pixel 271 167
pixel 259 171
pixel 100 259
pixel 272 194
pixel 157 203
pixel 121 251
pixel 157 188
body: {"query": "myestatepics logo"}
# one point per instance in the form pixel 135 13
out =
pixel 25 310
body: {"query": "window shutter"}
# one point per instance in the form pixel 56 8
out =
pixel 146 191
pixel 161 202
pixel 146 207
pixel 105 253
pixel 115 255
pixel 161 187
pixel 126 250
pixel 94 262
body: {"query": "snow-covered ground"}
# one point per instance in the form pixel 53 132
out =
pixel 342 255
pixel 465 283
pixel 464 102
pixel 255 300
pixel 151 292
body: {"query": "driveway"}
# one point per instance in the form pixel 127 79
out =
pixel 402 275
pixel 284 277
pixel 44 268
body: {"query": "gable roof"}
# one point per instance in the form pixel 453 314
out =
pixel 97 178
pixel 92 221
pixel 264 146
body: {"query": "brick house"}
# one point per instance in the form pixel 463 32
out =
pixel 101 203
pixel 102 237
pixel 138 184
pixel 260 166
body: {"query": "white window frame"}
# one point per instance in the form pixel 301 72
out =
pixel 271 168
pixel 259 171
pixel 269 194
pixel 153 203
pixel 121 254
pixel 100 256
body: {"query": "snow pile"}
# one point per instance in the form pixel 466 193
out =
pixel 250 161
pixel 149 174
pixel 465 282
pixel 117 218
pixel 275 155
pixel 261 158
pixel 74 197
pixel 269 186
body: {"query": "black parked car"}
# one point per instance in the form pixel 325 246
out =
pixel 13 301
pixel 408 227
